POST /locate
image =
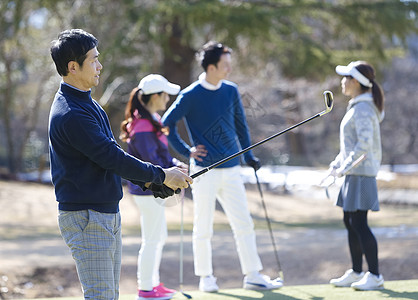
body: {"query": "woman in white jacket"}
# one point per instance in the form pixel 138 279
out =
pixel 360 135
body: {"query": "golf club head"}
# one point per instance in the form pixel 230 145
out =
pixel 329 102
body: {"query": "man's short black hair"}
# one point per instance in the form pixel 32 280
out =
pixel 71 45
pixel 211 52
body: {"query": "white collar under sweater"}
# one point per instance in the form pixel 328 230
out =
pixel 207 85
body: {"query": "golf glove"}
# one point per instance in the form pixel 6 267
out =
pixel 254 163
pixel 160 190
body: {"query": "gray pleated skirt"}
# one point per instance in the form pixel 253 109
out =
pixel 358 193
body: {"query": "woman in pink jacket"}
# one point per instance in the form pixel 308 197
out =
pixel 146 138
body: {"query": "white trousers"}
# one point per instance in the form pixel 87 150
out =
pixel 154 234
pixel 226 185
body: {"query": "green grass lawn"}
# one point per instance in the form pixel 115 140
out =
pixel 403 289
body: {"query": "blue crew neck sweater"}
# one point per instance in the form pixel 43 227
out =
pixel 215 119
pixel 86 162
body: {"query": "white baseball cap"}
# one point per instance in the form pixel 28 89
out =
pixel 155 83
pixel 351 70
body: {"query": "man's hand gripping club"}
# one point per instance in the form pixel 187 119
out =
pixel 175 180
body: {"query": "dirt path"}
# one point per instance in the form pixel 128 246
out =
pixel 34 261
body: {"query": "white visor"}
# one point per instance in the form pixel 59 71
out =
pixel 155 83
pixel 351 70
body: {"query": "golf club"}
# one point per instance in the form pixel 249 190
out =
pixel 269 227
pixel 353 165
pixel 329 103
pixel 181 251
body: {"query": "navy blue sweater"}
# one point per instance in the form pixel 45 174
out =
pixel 215 119
pixel 86 162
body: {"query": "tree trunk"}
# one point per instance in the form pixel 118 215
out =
pixel 8 96
pixel 177 66
pixel 178 58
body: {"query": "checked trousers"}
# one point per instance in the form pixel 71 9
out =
pixel 95 242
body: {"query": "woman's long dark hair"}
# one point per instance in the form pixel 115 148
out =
pixel 378 97
pixel 136 102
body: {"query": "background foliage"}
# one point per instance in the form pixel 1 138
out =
pixel 284 51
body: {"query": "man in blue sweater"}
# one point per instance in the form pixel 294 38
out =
pixel 213 112
pixel 87 165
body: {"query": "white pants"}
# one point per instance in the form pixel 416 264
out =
pixel 154 234
pixel 226 185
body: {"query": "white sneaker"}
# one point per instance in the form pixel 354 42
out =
pixel 261 282
pixel 347 279
pixel 208 284
pixel 369 282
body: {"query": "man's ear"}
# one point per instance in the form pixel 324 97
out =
pixel 72 67
pixel 210 68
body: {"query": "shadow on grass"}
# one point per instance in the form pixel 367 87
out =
pixel 22 232
pixel 400 295
pixel 260 224
pixel 267 295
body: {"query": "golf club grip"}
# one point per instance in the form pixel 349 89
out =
pixel 203 171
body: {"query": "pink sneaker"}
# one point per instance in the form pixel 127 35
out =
pixel 154 294
pixel 161 288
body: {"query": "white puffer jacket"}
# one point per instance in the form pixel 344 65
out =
pixel 360 134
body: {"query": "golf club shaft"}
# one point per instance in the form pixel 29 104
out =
pixel 181 245
pixel 269 226
pixel 204 170
pixel 329 103
pixel 181 250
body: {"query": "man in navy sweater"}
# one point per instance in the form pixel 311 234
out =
pixel 87 165
pixel 213 112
